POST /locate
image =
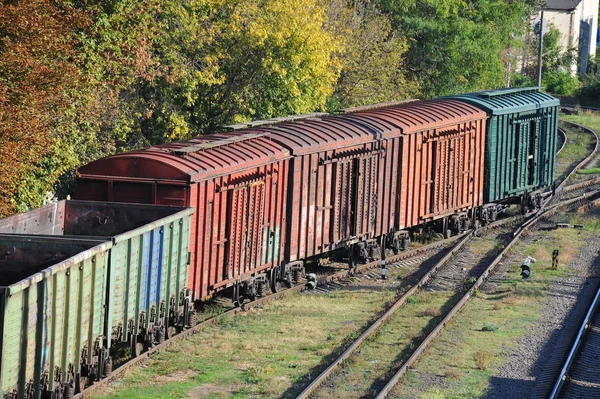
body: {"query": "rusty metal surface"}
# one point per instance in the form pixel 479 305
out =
pixel 419 116
pixel 192 160
pixel 238 227
pixel 334 199
pixel 440 172
pixel 237 183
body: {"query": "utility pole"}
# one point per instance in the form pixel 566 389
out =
pixel 539 74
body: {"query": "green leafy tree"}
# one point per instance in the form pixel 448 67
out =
pixel 177 69
pixel 457 45
pixel 371 56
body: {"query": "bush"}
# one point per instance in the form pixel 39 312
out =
pixel 482 359
pixel 519 80
pixel 589 93
pixel 558 82
pixel 489 327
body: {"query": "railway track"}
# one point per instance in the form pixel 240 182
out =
pixel 337 278
pixel 334 281
pixel 447 276
pixel 581 165
pixel 579 376
pixel 328 377
pixel 563 138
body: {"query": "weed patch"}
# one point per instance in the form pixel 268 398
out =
pixel 483 359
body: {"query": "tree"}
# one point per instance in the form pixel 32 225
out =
pixel 193 66
pixel 371 56
pixel 457 45
pixel 38 67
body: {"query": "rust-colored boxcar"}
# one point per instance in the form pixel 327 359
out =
pixel 237 184
pixel 333 183
pixel 433 166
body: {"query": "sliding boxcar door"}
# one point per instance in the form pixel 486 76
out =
pixel 244 228
pixel 343 204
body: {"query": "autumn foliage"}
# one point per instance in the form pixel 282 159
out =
pixel 82 79
pixel 37 67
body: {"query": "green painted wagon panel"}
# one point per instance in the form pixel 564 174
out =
pixel 521 140
pixel 45 280
pixel 142 259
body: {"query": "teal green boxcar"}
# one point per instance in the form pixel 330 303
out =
pixel 52 295
pixel 521 141
pixel 147 297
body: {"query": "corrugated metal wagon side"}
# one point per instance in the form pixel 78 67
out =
pixel 521 142
pixel 52 314
pixel 434 163
pixel 147 296
pixel 236 182
pixel 333 185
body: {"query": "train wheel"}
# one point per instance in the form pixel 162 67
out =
pixel 170 332
pixel 274 279
pixel 68 390
pixel 238 300
pixel 136 347
pixel 262 288
pixel 108 366
pixel 160 335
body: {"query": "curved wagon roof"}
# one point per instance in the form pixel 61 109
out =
pixel 506 101
pixel 268 141
pixel 191 160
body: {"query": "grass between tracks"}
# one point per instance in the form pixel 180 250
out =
pixel 462 361
pixel 261 353
pixel 578 145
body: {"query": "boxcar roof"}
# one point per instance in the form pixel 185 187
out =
pixel 330 132
pixel 417 116
pixel 506 101
pixel 192 160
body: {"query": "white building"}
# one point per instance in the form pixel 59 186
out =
pixel 577 21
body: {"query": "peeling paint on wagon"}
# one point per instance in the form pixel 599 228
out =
pixel 56 289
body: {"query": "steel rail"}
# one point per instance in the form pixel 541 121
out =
pixel 575 106
pixel 316 383
pixel 412 360
pixel 103 383
pixel 584 162
pixel 564 135
pixel 563 375
pixel 321 378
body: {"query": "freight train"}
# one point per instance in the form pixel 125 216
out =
pixel 268 197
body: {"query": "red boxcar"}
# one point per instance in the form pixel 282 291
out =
pixel 434 160
pixel 237 184
pixel 334 176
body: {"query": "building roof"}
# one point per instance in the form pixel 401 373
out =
pixel 562 5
